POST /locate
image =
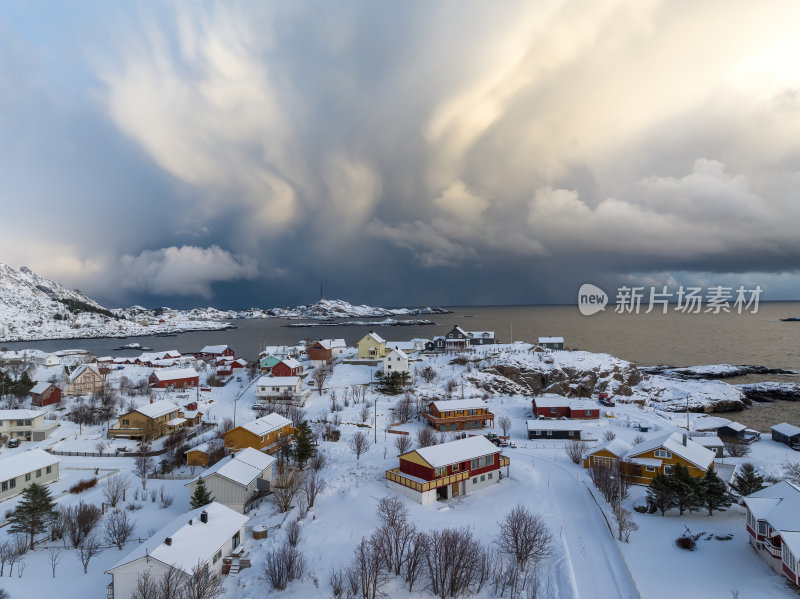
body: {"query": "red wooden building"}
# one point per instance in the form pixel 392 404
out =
pixel 44 394
pixel 772 516
pixel 214 352
pixel 287 367
pixel 556 406
pixel 447 470
pixel 177 378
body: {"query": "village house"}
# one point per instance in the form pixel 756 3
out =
pixel 20 470
pixel 149 421
pixel 458 339
pixel 84 380
pixel 326 350
pixel 200 538
pixel 51 360
pixel 236 480
pixel 554 429
pixel 175 378
pixel 786 433
pixel 199 455
pixel 44 394
pixel 28 425
pixel 287 367
pixel 408 347
pixel 371 347
pixel 558 406
pixel 713 443
pixel 266 363
pixel 284 389
pixel 267 433
pixel 214 352
pixel 735 432
pixel 659 455
pixel 551 342
pixel 458 414
pixel 395 361
pixel 773 527
pixel 447 470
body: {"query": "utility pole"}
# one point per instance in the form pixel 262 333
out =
pixel 687 414
pixel 375 419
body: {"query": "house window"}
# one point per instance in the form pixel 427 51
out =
pixel 125 422
pixel 27 477
pixel 554 410
pixel 490 460
pixel 571 433
pixel 20 423
pixel 667 469
pixel 236 540
pixel 12 484
pixel 49 469
pixel 439 471
pixel 762 527
pixel 38 473
pixel 5 486
pixel 490 475
pixel 549 433
pixel 588 412
pixel 650 468
pixel 217 555
pixel 475 481
pixel 663 453
pixel 455 467
pixel 483 477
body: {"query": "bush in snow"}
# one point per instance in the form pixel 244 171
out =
pixel 358 444
pixel 575 450
pixel 426 437
pixel 687 543
pixel 403 444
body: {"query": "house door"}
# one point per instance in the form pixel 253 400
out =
pixel 441 493
pixel 455 489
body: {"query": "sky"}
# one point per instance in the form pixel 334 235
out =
pixel 411 153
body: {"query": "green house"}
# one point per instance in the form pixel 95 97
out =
pixel 267 362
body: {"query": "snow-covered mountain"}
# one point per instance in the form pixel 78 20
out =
pixel 326 309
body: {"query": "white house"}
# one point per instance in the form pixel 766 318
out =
pixel 20 470
pixel 202 537
pixel 773 527
pixel 29 425
pixel 551 342
pixel 51 360
pixel 395 361
pixel 281 389
pixel 236 480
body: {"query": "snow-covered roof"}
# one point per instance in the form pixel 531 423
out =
pixel 278 381
pixel 787 429
pixel 19 414
pixel 481 334
pixel 554 425
pixel 792 540
pixel 735 426
pixel 214 350
pixel 377 338
pixel 459 404
pixel 551 340
pixel 397 352
pixel 171 353
pixel 647 462
pixel 27 461
pixel 266 424
pixel 778 504
pixel 176 421
pixel 692 452
pixel 149 356
pixel 243 467
pixel 157 408
pixel 332 343
pixel 174 374
pixel 456 451
pixel 402 345
pixel 616 446
pixel 291 363
pixel 192 541
pixel 166 362
pixel 558 401
pixel 708 441
pixel 40 387
pixel 269 360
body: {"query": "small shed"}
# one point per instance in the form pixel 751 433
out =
pixel 786 433
pixel 554 429
pixel 44 394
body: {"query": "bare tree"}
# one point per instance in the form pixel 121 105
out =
pixel 609 436
pixel 118 528
pixel 575 450
pixel 415 559
pixel 426 437
pixel 313 485
pixel 317 461
pixel 358 444
pixel 736 450
pixel 321 374
pixel 79 521
pixel 625 522
pixel 365 412
pixel 224 426
pixel 428 374
pixel 791 471
pixel 114 488
pixel 54 556
pixel 89 548
pixel 171 584
pixel 143 464
pixel 285 485
pixel 203 584
pixel 337 582
pixel 401 412
pixel 452 562
pixel 293 533
pixel 283 565
pixel 368 568
pixel 524 536
pixel 504 422
pixel 146 587
pixel 638 439
pixel 296 414
pixel 403 444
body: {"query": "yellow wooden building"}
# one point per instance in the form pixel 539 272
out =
pixel 372 347
pixel 267 433
pixel 458 414
pixel 150 421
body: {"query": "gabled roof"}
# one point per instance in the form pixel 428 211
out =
pixel 81 369
pixel 377 338
pixel 332 343
pixel 190 543
pixel 157 408
pixel 291 363
pixel 398 352
pixel 269 361
pixel 19 414
pixel 41 387
pixel 214 350
pixel 787 429
pixel 456 451
pixel 692 452
pixel 481 334
pixel 174 374
pixel 778 504
pixel 712 441
pixel 242 468
pixel 266 424
pixel 551 340
pixel 27 461
pixel 459 404
pixel 735 426
pixel 551 400
pixel 616 446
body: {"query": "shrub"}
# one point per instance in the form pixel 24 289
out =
pixel 82 485
pixel 687 543
pixel 642 509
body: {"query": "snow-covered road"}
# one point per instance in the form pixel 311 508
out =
pixel 593 566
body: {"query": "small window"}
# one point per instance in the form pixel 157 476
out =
pixel 490 475
pixel 549 433
pixel 475 481
pixel 455 467
pixel 554 410
pixel 125 422
pixel 49 469
pixel 12 484
pixel 667 469
pixel 483 477
pixel 5 486
pixel 588 412
pixel 650 468
pixel 38 473
pixel 27 476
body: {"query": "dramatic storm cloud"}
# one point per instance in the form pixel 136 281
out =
pixel 449 152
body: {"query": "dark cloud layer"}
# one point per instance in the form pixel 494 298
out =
pixel 415 153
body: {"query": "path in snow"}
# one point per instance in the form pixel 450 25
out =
pixel 595 563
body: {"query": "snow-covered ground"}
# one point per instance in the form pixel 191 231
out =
pixel 587 561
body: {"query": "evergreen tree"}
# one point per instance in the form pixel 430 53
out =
pixel 660 494
pixel 747 480
pixel 304 448
pixel 200 496
pixel 686 489
pixel 34 512
pixel 714 492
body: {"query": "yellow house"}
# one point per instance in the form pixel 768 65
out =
pixel 149 421
pixel 264 434
pixel 657 456
pixel 372 347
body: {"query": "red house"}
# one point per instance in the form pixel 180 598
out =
pixel 556 406
pixel 177 378
pixel 447 470
pixel 287 367
pixel 214 352
pixel 44 394
pixel 773 515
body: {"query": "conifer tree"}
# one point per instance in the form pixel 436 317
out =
pixel 686 489
pixel 304 448
pixel 34 512
pixel 201 495
pixel 747 480
pixel 714 493
pixel 660 494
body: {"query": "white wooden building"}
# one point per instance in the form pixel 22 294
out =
pixel 28 425
pixel 21 469
pixel 395 361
